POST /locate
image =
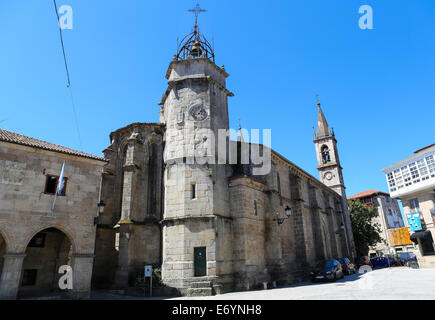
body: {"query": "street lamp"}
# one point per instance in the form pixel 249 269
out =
pixel 288 213
pixel 101 206
pixel 341 229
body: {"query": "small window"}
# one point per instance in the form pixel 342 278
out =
pixel 413 204
pixel 193 191
pixel 325 155
pixel 29 277
pixel 51 185
pixel 255 208
pixel 38 241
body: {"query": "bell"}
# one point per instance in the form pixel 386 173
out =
pixel 196 50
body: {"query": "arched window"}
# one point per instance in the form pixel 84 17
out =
pixel 326 158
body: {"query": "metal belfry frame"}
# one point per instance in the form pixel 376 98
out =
pixel 195 45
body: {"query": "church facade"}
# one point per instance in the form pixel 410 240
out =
pixel 209 219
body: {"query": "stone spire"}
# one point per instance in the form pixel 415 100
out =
pixel 322 125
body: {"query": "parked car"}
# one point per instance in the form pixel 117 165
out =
pixel 364 261
pixel 408 257
pixel 329 270
pixel 379 262
pixel 348 266
pixel 395 260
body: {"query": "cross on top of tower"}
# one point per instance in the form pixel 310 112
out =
pixel 197 10
pixel 195 45
pixel 317 98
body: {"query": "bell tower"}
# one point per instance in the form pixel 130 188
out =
pixel 330 171
pixel 196 221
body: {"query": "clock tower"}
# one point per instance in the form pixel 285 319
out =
pixel 330 170
pixel 196 221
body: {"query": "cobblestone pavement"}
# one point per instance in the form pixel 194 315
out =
pixel 398 283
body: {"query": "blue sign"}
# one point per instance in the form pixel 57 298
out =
pixel 414 221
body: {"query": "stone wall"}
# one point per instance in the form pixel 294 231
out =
pixel 132 188
pixel 26 210
pixel 248 211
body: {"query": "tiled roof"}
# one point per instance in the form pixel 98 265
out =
pixel 427 147
pixel 13 137
pixel 367 193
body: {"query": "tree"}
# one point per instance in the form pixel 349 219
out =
pixel 366 232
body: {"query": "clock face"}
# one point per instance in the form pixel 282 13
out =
pixel 328 175
pixel 198 112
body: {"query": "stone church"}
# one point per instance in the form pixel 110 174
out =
pixel 213 225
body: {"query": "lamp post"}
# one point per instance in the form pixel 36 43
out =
pixel 288 213
pixel 101 206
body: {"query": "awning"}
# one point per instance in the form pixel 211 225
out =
pixel 420 234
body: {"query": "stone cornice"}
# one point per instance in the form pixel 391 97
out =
pixel 173 62
pixel 205 217
pixel 172 84
pixel 324 138
pixel 329 165
pixel 246 181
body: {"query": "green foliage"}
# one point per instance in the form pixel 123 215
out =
pixel 366 232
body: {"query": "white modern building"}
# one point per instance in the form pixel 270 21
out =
pixel 412 180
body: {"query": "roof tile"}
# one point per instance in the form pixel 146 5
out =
pixel 13 137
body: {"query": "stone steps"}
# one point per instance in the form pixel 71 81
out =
pixel 201 284
pixel 200 288
pixel 199 292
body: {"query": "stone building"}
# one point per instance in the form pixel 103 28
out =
pixel 36 238
pixel 412 180
pixel 389 218
pixel 181 195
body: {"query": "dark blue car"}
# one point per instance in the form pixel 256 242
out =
pixel 329 270
pixel 379 262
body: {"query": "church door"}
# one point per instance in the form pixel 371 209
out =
pixel 200 262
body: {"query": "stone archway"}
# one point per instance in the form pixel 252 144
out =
pixel 45 253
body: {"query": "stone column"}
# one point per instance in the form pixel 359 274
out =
pixel 297 209
pixel 123 269
pixel 131 169
pixel 316 223
pixel 11 275
pixel 274 262
pixel 82 273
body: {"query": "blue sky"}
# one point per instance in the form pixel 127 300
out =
pixel 376 86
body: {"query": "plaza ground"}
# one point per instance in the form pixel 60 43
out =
pixel 398 283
